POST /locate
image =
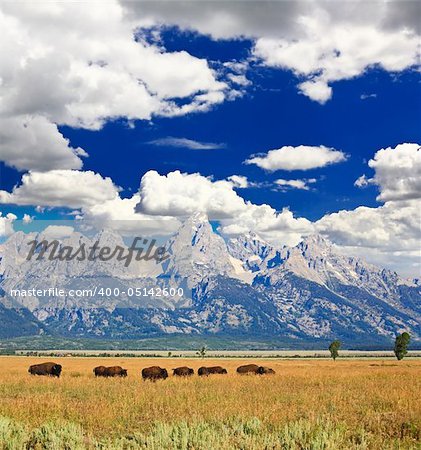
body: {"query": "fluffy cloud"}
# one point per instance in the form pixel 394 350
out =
pixel 346 51
pixel 93 72
pixel 362 181
pixel 302 157
pixel 6 224
pixel 27 219
pixel 180 195
pixel 120 214
pixel 317 90
pixel 221 20
pixel 389 235
pixel 97 198
pixel 295 184
pixel 280 228
pixel 66 188
pixel 32 142
pixel 269 19
pixel 240 181
pixel 185 143
pixel 397 172
pixel 57 231
pixel 393 226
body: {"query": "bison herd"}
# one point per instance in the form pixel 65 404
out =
pixel 151 373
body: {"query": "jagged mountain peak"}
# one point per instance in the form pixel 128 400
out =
pixel 197 251
pixel 315 244
pixel 249 240
pixel 195 230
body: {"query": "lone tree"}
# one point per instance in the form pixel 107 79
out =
pixel 401 345
pixel 334 349
pixel 202 351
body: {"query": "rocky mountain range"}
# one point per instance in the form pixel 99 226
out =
pixel 238 287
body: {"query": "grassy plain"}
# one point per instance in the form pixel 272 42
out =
pixel 308 404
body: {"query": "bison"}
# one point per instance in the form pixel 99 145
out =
pixel 154 373
pixel 248 369
pixel 266 371
pixel 183 371
pixel 49 369
pixel 205 371
pixel 115 371
pixel 100 371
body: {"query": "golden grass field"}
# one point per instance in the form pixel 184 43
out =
pixel 366 403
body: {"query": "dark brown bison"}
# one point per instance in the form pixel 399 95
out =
pixel 183 371
pixel 115 371
pixel 100 371
pixel 49 369
pixel 205 371
pixel 266 370
pixel 154 373
pixel 248 369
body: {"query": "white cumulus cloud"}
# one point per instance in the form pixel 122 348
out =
pixel 390 234
pixel 345 51
pixel 27 219
pixel 57 231
pixel 240 181
pixel 397 172
pixel 33 142
pixel 120 214
pixel 303 157
pixel 65 188
pixel 6 224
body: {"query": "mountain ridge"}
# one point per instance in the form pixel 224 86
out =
pixel 242 286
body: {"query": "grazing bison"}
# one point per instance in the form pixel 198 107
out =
pixel 248 368
pixel 205 371
pixel 115 371
pixel 100 371
pixel 154 373
pixel 183 371
pixel 49 369
pixel 266 370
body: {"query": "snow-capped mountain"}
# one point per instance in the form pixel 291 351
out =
pixel 243 286
pixel 197 252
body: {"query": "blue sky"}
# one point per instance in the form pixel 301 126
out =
pixel 377 105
